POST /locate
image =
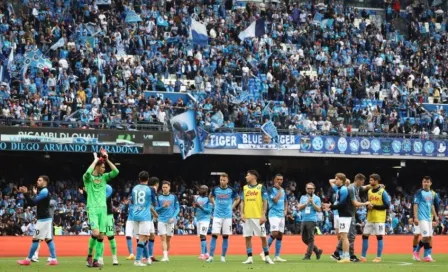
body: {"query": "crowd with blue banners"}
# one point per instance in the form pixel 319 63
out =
pixel 308 67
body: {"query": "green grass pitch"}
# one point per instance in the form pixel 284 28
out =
pixel 393 263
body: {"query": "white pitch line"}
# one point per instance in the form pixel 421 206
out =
pixel 403 263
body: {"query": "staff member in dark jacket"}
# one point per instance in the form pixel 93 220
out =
pixel 310 205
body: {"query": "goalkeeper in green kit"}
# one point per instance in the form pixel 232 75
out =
pixel 95 181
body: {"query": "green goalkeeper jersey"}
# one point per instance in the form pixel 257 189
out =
pixel 96 187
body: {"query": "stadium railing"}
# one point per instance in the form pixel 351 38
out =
pixel 144 126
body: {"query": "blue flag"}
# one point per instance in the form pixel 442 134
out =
pixel 186 134
pixel 161 22
pixel 132 17
pixel 203 135
pixel 270 130
pixel 217 120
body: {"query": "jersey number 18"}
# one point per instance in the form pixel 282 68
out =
pixel 140 197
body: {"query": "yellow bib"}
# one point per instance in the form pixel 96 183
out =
pixel 376 199
pixel 253 201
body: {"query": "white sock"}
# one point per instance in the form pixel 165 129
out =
pixel 165 254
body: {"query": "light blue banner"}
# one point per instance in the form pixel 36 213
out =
pixel 331 144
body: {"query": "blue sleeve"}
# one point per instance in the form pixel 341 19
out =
pixel 386 199
pixel 234 194
pixel 386 202
pixel 436 200
pixel 213 192
pixel 271 193
pixel 159 207
pixel 208 208
pixel 264 193
pixel 109 191
pixel 417 197
pixel 176 207
pixel 317 201
pixel 301 201
pixel 42 195
pixel 153 197
pixel 334 188
pixel 343 194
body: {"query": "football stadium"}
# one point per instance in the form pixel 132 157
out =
pixel 217 135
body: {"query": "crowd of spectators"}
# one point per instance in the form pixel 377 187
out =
pixel 17 218
pixel 323 68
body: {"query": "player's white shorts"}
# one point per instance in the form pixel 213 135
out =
pixel 44 230
pixel 203 227
pixel 129 230
pixel 344 224
pixel 416 229
pixel 277 224
pixel 336 221
pixel 252 227
pixel 374 229
pixel 165 228
pixel 425 228
pixel 224 224
pixel 143 228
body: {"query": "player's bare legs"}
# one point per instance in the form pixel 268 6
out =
pixel 165 247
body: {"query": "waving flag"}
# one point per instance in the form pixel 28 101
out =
pixel 58 44
pixel 198 33
pixel 103 2
pixel 256 29
pixel 161 22
pixel 270 130
pixel 90 29
pixel 35 58
pixel 203 135
pixel 132 17
pixel 186 134
pixel 217 120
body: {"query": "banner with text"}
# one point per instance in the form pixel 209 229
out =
pixel 331 144
pixel 79 140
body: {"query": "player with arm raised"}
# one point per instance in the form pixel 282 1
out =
pixel 142 198
pixel 44 225
pixel 253 213
pixel 168 209
pixel 110 228
pixel 224 198
pixel 203 210
pixel 95 180
pixel 424 210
